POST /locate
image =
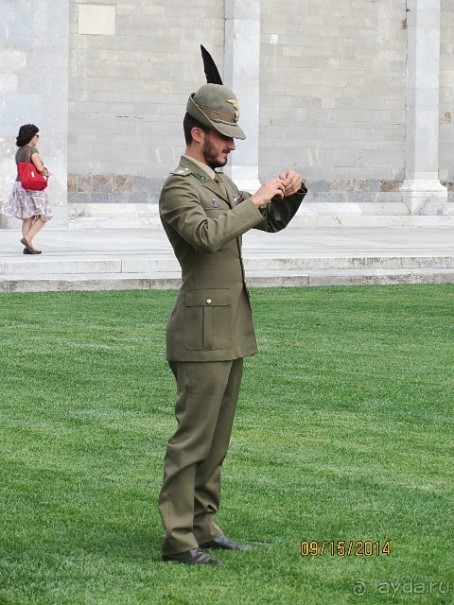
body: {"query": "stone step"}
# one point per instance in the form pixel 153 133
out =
pixel 42 265
pixel 140 281
pixel 100 259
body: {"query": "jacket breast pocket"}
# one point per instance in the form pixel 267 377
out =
pixel 207 319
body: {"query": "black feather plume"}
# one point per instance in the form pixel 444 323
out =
pixel 209 66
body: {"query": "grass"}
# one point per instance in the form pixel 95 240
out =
pixel 344 432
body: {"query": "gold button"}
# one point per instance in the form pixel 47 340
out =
pixel 208 301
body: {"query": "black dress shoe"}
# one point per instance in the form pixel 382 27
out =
pixel 225 543
pixel 195 556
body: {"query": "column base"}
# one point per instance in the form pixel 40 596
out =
pixel 5 222
pixel 424 197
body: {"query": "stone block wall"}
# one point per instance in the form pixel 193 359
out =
pixel 333 95
pixel 129 88
pixel 115 77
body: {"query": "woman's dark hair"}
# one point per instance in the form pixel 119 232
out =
pixel 26 134
pixel 188 124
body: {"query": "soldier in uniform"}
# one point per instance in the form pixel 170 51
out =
pixel 210 329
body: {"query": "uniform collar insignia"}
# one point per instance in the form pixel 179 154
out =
pixel 201 177
pixel 214 203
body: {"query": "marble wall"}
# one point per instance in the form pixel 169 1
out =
pixel 323 87
pixel 34 46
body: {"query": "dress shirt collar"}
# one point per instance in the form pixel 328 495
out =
pixel 206 169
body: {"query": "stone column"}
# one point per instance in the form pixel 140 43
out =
pixel 422 191
pixel 242 73
pixel 34 43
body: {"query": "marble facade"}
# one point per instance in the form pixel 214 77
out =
pixel 357 96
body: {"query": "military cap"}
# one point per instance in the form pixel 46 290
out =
pixel 216 106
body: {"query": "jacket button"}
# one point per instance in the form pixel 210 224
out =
pixel 208 301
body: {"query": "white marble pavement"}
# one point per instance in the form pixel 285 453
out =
pixel 102 259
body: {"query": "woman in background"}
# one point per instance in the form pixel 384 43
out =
pixel 31 207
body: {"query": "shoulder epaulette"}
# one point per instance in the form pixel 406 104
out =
pixel 181 171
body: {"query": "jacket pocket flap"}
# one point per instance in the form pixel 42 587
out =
pixel 217 297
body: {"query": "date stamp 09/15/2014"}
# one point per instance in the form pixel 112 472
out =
pixel 345 548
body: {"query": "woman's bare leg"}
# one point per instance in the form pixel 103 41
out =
pixel 31 226
pixel 26 225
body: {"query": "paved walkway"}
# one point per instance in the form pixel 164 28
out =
pixel 98 259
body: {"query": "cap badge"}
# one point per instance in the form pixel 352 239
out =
pixel 236 107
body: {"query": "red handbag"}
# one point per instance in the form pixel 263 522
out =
pixel 29 176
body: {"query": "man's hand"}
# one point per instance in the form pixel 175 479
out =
pixel 267 191
pixel 292 182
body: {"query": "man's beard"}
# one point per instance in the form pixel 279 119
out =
pixel 210 157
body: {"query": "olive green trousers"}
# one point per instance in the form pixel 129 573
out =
pixel 207 394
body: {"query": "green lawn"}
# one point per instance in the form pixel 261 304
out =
pixel 344 432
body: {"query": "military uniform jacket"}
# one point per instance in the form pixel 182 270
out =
pixel 212 319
